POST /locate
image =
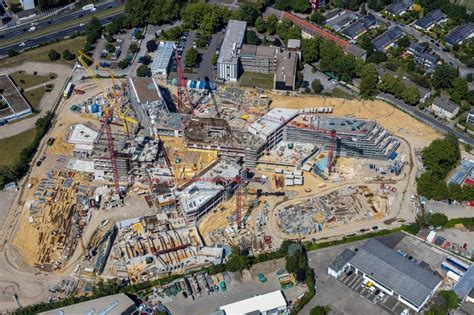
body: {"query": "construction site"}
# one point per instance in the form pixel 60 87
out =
pixel 142 178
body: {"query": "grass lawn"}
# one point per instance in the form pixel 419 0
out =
pixel 26 80
pixel 261 80
pixel 11 147
pixel 41 53
pixel 337 92
pixel 34 97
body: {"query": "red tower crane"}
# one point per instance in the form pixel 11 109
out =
pixel 181 85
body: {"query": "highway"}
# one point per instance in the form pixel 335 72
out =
pixel 55 33
pixel 425 117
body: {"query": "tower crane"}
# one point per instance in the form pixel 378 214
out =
pixel 181 86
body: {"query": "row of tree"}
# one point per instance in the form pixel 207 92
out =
pixel 395 86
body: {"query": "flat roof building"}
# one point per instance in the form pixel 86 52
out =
pixel 270 303
pixel 12 104
pixel 117 304
pixel 393 274
pixel 162 60
pixel 285 73
pixel 228 61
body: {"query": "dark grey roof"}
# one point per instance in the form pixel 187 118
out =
pixel 360 26
pixel 356 51
pixel 430 18
pixel 427 57
pixel 386 38
pixel 341 260
pixel 465 284
pixel 334 13
pixel 459 34
pixel 450 107
pixel 392 270
pixel 395 8
pixel 416 49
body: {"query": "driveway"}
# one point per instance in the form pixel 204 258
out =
pixel 47 101
pixel 326 81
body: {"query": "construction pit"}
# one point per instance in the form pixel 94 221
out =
pixel 339 207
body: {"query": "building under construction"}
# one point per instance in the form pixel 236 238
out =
pixel 148 247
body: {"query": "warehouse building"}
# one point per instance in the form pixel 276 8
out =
pixel 162 61
pixel 12 104
pixel 391 273
pixel 270 303
pixel 112 305
pixel 228 64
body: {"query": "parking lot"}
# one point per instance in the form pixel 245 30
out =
pixel 372 294
pixel 326 81
pixel 205 67
pixel 332 292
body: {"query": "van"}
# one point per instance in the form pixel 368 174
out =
pixel 32 29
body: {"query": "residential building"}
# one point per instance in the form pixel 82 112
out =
pixel 431 19
pixel 444 107
pixel 342 20
pixel 261 59
pixel 285 73
pixel 387 39
pixel 270 303
pixel 360 27
pixel 228 62
pixel 310 30
pixel 293 45
pixel 459 34
pixel 331 15
pixel 162 60
pixel 12 103
pixel 422 56
pixel 112 305
pixel 391 273
pixel 399 8
pixel 27 4
pixel 470 118
pixel 464 287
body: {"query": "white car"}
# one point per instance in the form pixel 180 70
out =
pixel 381 295
pixel 81 25
pixel 22 44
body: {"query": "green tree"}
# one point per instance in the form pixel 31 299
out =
pixel 459 90
pixel 467 147
pixel 192 57
pixel 260 25
pixel 247 12
pixel 317 17
pixel 110 47
pixel 162 11
pixel 369 79
pixel 310 50
pixel 450 298
pixel 12 52
pixel 317 86
pixel 441 155
pixel 93 30
pixel 146 60
pixel 272 22
pixel 143 71
pixel 122 64
pixel 411 95
pixel 443 76
pixel 237 261
pixel 151 45
pixel 67 55
pixel 133 47
pixel 377 57
pixel 404 41
pixel 252 38
pixel 320 310
pixel 214 59
pixel 53 55
pixel 298 6
pixel 437 219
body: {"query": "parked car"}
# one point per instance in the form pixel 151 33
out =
pixel 350 272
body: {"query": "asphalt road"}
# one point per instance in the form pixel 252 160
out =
pixel 56 34
pixel 426 118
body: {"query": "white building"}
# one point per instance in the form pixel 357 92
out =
pixel 12 103
pixel 270 303
pixel 27 4
pixel 228 61
pixel 444 107
pixel 162 60
pixel 389 272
